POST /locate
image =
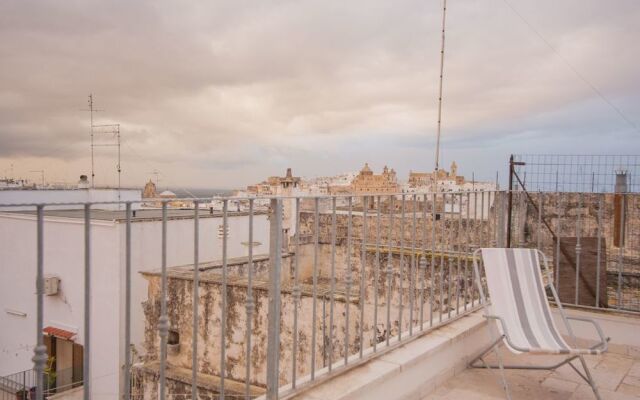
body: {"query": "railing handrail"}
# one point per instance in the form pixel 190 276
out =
pixel 202 200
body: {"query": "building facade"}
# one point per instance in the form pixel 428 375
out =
pixel 368 182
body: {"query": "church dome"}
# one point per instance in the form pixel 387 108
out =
pixel 167 193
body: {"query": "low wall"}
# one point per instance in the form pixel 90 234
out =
pixel 410 371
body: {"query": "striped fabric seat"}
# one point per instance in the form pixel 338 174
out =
pixel 518 297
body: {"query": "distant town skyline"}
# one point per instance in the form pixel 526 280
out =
pixel 221 95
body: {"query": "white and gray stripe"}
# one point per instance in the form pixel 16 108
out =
pixel 517 294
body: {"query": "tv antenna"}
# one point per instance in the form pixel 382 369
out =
pixel 112 131
pixel 156 173
pixel 91 111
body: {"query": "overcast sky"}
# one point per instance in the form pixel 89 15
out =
pixel 226 93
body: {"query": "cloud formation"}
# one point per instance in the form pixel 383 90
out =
pixel 221 94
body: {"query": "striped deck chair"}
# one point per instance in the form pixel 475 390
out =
pixel 519 305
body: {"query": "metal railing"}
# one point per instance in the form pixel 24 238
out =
pixel 346 278
pixel 576 173
pixel 592 241
pixel 22 385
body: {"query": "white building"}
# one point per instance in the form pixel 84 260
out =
pixel 79 195
pixel 64 259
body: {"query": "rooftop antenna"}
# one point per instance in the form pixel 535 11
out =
pixel 156 173
pixel 91 111
pixel 444 14
pixel 41 171
pixel 114 131
pixel 104 129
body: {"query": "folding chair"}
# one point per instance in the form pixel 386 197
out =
pixel 518 302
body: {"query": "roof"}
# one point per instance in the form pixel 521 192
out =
pixel 58 332
pixel 167 193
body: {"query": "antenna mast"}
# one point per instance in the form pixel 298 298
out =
pixel 156 173
pixel 444 14
pixel 108 129
pixel 91 126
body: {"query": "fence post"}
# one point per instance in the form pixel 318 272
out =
pixel 275 264
pixel 500 210
pixel 510 200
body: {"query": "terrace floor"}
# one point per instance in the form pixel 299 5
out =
pixel 617 377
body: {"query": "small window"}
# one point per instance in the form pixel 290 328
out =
pixel 174 337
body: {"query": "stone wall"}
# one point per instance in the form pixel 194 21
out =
pixel 576 214
pixel 180 306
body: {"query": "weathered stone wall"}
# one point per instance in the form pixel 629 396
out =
pixel 576 214
pixel 180 306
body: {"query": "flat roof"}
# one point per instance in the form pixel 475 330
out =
pixel 141 215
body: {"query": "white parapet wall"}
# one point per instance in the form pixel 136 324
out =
pixel 417 368
pixel 46 196
pixel 410 371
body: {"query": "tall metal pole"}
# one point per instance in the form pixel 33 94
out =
pixel 512 171
pixel 119 168
pixel 444 14
pixel 91 128
pixel 510 206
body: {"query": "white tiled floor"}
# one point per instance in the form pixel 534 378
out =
pixel 617 376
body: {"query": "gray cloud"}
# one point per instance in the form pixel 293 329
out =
pixel 224 93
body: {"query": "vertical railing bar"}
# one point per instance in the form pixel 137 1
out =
pixel 423 260
pixel 558 234
pixel 377 275
pixel 40 351
pixel 127 307
pixel 296 296
pixel 493 200
pixel 86 376
pixel 324 328
pixel 483 224
pixel 163 321
pixel 433 258
pixel 333 278
pixel 540 205
pixel 475 240
pixel 449 257
pixel 621 244
pixel 196 300
pixel 273 330
pixel 443 233
pixel 598 251
pixel 401 269
pixel 314 306
pixel 459 253
pixel 363 256
pixel 223 316
pixel 390 268
pixel 467 248
pixel 250 306
pixel 412 269
pixel 348 280
pixel 578 248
